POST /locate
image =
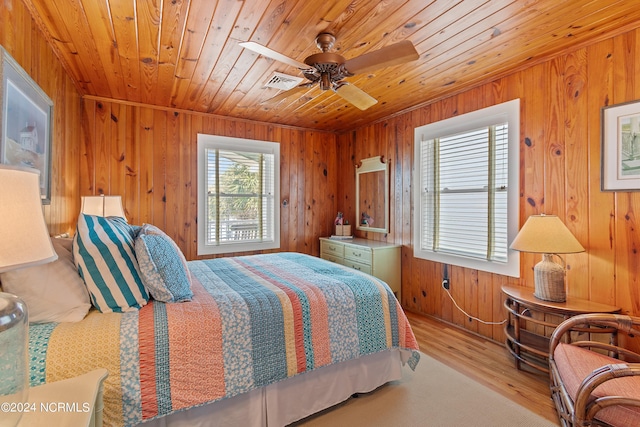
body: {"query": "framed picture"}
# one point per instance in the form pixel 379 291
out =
pixel 26 125
pixel 621 147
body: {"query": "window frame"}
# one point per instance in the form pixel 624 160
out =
pixel 506 112
pixel 207 141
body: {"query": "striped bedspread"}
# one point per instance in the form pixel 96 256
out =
pixel 254 320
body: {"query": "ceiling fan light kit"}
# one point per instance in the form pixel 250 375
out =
pixel 328 69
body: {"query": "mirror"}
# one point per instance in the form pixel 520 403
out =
pixel 372 195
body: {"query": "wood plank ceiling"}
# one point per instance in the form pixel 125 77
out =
pixel 185 54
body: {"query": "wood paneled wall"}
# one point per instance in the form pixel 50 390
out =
pixel 20 36
pixel 561 100
pixel 148 156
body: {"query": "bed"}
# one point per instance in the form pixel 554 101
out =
pixel 264 340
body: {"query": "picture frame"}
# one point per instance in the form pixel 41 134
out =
pixel 621 147
pixel 26 125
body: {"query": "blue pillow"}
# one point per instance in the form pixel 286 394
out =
pixel 162 265
pixel 103 250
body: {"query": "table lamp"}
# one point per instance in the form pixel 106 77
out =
pixel 24 242
pixel 102 206
pixel 546 234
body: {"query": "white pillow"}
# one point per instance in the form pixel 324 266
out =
pixel 53 292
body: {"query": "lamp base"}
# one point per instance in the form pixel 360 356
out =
pixel 14 357
pixel 549 280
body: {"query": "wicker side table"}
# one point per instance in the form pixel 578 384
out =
pixel 531 322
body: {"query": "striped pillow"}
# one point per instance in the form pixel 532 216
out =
pixel 103 251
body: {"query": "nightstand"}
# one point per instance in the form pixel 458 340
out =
pixel 532 320
pixel 74 402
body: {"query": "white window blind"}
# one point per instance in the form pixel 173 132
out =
pixel 465 177
pixel 239 195
pixel 467 189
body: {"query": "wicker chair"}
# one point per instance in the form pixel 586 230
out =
pixel 595 383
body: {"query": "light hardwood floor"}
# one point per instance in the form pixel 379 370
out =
pixel 485 361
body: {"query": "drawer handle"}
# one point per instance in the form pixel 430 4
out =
pixel 356 254
pixel 332 249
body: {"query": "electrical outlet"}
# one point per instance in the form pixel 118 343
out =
pixel 445 284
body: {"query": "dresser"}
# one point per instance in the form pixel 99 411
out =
pixel 379 259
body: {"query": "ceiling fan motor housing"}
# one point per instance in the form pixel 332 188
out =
pixel 327 67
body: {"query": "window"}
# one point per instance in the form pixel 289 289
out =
pixel 466 192
pixel 238 195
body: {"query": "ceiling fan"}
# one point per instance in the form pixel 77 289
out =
pixel 328 69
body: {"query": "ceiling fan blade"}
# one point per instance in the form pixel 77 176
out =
pixel 355 96
pixel 270 53
pixel 394 54
pixel 287 93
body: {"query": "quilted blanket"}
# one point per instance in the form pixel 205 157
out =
pixel 254 320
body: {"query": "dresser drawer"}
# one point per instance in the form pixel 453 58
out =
pixel 332 248
pixel 331 257
pixel 365 268
pixel 360 255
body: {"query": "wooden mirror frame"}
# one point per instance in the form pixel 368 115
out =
pixel 373 165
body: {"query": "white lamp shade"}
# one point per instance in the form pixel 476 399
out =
pixel 103 206
pixel 24 237
pixel 546 234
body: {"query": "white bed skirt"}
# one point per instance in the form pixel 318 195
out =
pixel 290 400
